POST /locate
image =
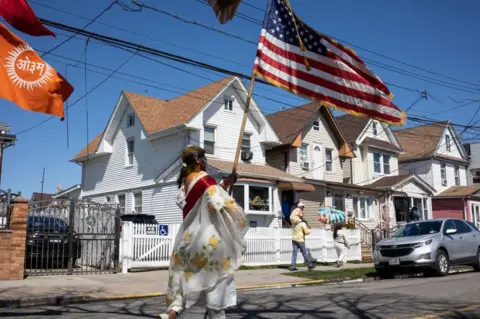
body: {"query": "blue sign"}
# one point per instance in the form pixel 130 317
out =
pixel 163 230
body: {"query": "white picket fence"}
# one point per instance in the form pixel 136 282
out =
pixel 148 246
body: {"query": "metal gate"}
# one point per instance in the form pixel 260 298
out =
pixel 72 237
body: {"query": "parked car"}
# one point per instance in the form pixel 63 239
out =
pixel 48 243
pixel 432 245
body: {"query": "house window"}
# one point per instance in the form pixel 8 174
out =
pixel 239 195
pixel 362 207
pixel 328 160
pixel 457 175
pixel 425 209
pixel 259 198
pixel 108 199
pixel 121 203
pixel 338 202
pixel 137 202
pixel 209 140
pixel 130 151
pixel 130 120
pixel 228 103
pixel 447 140
pixel 386 164
pixel 443 173
pixel 246 143
pixel 304 153
pixel 374 126
pixel 316 125
pixel 377 165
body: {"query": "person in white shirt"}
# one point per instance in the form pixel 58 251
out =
pixel 341 244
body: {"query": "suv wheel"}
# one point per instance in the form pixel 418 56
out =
pixel 476 264
pixel 442 263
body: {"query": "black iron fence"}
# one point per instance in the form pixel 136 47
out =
pixel 72 237
pixel 6 208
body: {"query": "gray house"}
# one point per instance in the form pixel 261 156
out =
pixel 473 171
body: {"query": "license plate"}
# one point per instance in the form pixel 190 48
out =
pixel 394 262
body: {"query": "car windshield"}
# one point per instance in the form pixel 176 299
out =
pixel 41 223
pixel 419 229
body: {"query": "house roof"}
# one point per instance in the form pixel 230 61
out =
pixel 66 191
pixel 158 115
pixel 41 197
pixel 420 142
pixel 389 182
pixel 352 126
pixel 90 149
pixel 460 191
pixel 381 144
pixel 254 171
pixel 289 124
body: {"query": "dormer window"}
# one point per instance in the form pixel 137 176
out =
pixel 447 141
pixel 228 103
pixel 374 126
pixel 130 120
pixel 316 125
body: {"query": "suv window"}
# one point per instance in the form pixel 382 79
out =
pixel 462 227
pixel 473 225
pixel 449 224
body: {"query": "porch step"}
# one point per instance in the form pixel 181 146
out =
pixel 367 253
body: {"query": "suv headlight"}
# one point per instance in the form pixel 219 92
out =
pixel 424 243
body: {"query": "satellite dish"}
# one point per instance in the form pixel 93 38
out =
pixel 59 188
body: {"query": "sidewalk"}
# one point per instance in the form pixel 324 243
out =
pixel 70 289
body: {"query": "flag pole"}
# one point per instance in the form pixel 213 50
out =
pixel 242 129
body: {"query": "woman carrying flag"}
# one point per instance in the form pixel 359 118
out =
pixel 210 243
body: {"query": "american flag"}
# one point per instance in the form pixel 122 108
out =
pixel 336 76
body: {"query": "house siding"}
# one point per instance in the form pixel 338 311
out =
pixel 382 130
pixel 474 161
pixel 448 208
pixel 347 171
pixel 442 147
pixel 227 126
pixel 276 159
pixel 313 201
pixel 422 168
pixel 160 201
pixel 450 171
pixel 325 138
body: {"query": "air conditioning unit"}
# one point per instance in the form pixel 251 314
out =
pixel 444 182
pixel 305 165
pixel 247 156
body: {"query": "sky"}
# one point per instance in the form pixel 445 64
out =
pixel 439 36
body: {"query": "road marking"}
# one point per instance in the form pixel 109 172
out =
pixel 439 314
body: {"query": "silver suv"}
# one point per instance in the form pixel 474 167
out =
pixel 433 244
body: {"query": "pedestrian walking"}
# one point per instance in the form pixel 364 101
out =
pixel 299 231
pixel 341 244
pixel 297 215
pixel 210 243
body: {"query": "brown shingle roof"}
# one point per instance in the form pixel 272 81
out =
pixel 351 125
pixel 381 144
pixel 389 181
pixel 289 124
pixel 252 170
pixel 158 115
pixel 460 191
pixel 420 141
pixel 92 147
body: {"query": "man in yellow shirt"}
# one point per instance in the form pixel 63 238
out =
pixel 299 230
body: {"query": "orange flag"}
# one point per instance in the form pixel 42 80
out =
pixel 27 80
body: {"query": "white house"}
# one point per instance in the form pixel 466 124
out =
pixel 435 154
pixel 135 161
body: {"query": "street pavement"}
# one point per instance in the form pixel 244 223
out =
pixel 456 296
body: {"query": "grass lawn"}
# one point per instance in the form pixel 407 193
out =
pixel 335 274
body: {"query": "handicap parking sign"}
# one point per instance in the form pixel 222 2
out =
pixel 163 230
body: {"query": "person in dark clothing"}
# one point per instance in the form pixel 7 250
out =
pixel 413 215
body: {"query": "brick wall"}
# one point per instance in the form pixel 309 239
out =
pixel 12 242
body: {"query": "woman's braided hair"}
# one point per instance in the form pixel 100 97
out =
pixel 189 161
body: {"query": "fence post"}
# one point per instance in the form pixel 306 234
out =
pixel 71 228
pixel 373 239
pixel 127 245
pixel 118 222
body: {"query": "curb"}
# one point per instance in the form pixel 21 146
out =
pixel 64 300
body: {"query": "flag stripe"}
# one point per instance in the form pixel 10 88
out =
pixel 347 107
pixel 309 77
pixel 336 75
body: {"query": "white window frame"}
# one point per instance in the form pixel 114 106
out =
pixel 122 210
pixel 246 199
pixel 448 141
pixel 369 208
pixel 135 204
pixel 210 141
pixel 374 128
pixel 245 148
pixel 476 215
pixel 443 173
pixel 329 161
pixel 109 199
pixel 382 163
pixel 228 103
pixel 456 172
pixel 316 125
pixel 130 156
pixel 131 120
pixel 303 153
pixel 379 162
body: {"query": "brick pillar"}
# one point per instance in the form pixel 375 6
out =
pixel 18 229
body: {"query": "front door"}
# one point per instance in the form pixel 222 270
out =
pixel 317 165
